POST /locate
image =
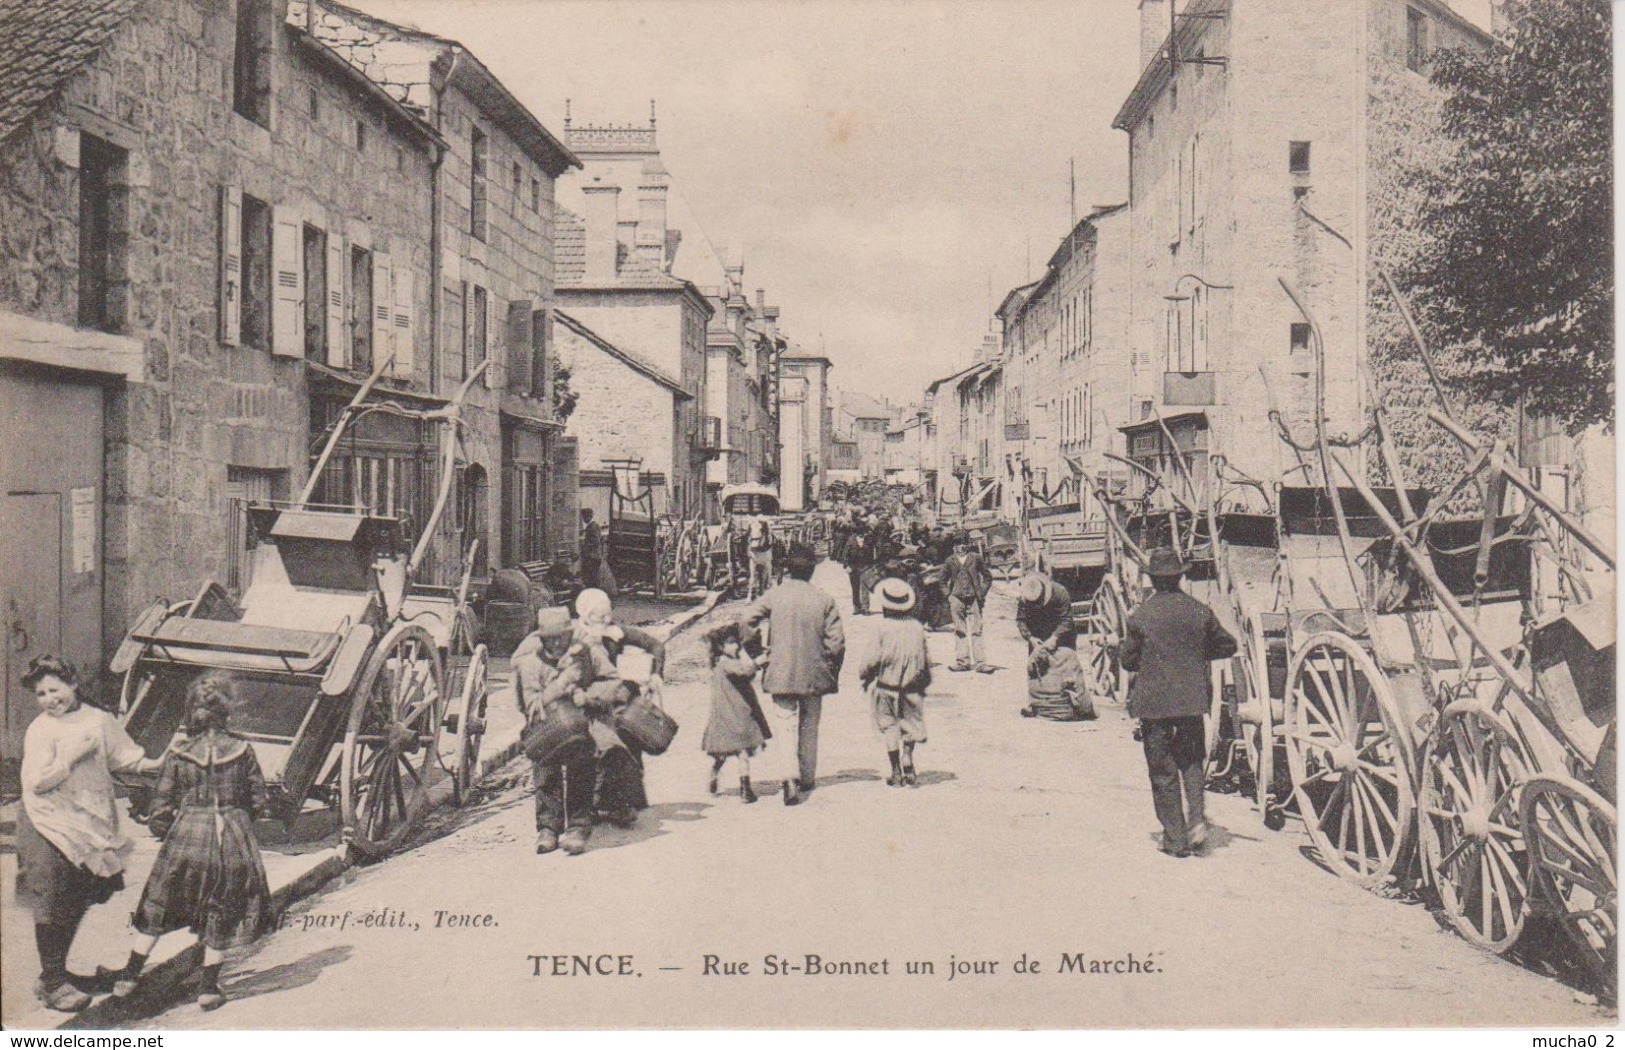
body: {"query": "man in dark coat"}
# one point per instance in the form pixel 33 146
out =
pixel 1044 615
pixel 967 582
pixel 806 647
pixel 860 559
pixel 1169 642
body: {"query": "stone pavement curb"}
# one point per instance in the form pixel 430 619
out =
pixel 162 978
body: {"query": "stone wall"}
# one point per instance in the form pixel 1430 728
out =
pixel 621 413
pixel 162 90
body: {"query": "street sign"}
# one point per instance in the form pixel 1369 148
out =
pixel 1015 432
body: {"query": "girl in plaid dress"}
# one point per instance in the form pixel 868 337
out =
pixel 209 876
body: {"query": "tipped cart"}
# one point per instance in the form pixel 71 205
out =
pixel 359 687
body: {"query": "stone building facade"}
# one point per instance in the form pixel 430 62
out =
pixel 806 428
pixel 161 206
pixel 1067 340
pixel 627 409
pixel 491 276
pixel 216 224
pixel 1253 159
pixel 633 301
pixel 742 349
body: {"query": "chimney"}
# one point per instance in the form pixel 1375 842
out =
pixel 737 304
pixel 1153 29
pixel 601 241
pixel 650 238
pixel 761 300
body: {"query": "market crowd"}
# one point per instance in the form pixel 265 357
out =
pixel 589 688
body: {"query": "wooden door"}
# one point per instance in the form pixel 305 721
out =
pixel 51 525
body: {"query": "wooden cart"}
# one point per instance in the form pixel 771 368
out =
pixel 355 682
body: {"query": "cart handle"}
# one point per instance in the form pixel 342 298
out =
pixel 1497 459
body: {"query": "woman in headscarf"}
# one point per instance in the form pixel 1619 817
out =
pixel 620 793
pixel 71 850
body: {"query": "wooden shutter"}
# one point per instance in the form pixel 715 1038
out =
pixel 490 328
pixel 231 265
pixel 338 279
pixel 287 283
pixel 542 365
pixel 518 346
pixel 405 347
pixel 383 300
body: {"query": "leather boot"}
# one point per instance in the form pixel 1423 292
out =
pixel 746 795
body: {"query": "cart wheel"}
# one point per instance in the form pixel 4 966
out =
pixel 392 743
pixel 1571 833
pixel 1106 619
pixel 1470 832
pixel 1349 755
pixel 465 720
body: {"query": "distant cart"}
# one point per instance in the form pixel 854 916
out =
pixel 356 682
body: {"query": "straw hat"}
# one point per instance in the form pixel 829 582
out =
pixel 1034 589
pixel 894 595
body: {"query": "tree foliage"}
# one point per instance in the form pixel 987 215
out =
pixel 564 396
pixel 1517 267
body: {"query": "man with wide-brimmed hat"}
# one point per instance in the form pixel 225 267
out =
pixel 807 646
pixel 896 670
pixel 1169 641
pixel 548 670
pixel 1044 620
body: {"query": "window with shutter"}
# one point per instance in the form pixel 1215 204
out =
pixel 359 302
pixel 287 283
pixel 231 265
pixel 383 310
pixel 480 310
pixel 315 275
pixel 542 367
pixel 518 347
pixel 405 324
pixel 255 311
pixel 338 334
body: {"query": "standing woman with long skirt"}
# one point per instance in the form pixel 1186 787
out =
pixel 71 850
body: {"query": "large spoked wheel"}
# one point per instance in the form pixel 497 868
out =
pixel 390 747
pixel 465 721
pixel 1104 625
pixel 1471 837
pixel 1349 754
pixel 1572 836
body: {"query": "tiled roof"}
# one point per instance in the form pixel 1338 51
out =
pixel 570 261
pixel 862 406
pixel 626 357
pixel 43 43
pixel 401 59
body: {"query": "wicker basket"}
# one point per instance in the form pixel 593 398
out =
pixel 560 737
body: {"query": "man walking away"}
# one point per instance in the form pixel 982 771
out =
pixel 806 647
pixel 1169 641
pixel 968 582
